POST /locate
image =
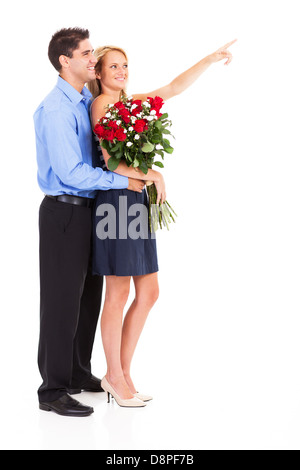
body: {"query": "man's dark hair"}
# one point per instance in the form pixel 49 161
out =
pixel 64 42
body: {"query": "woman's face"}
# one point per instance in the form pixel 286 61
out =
pixel 114 71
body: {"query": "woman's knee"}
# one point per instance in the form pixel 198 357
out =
pixel 117 292
pixel 148 296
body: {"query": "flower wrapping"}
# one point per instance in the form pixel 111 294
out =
pixel 135 131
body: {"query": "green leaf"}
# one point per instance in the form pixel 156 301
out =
pixel 143 167
pixel 128 157
pixel 112 164
pixel 159 164
pixel 164 116
pixel 105 145
pixel 148 147
pixel 143 138
pixel 157 137
pixel 119 154
pixel 116 147
pixel 169 150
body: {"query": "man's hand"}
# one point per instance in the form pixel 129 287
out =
pixel 135 185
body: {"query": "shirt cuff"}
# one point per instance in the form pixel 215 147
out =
pixel 119 181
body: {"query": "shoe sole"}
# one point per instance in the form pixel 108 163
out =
pixel 78 391
pixel 74 415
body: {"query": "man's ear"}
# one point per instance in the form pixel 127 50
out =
pixel 64 61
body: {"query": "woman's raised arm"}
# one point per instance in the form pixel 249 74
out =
pixel 187 78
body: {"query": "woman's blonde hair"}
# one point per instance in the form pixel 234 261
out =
pixel 95 85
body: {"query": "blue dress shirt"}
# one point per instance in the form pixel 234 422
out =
pixel 65 147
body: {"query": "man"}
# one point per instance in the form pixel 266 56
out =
pixel 70 295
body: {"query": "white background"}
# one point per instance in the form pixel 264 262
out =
pixel 220 352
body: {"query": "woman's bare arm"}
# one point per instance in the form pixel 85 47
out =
pixel 187 78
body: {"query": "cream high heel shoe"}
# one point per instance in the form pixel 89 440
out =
pixel 143 397
pixel 129 403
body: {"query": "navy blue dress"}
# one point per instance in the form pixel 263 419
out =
pixel 122 242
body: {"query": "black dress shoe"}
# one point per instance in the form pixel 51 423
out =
pixel 67 406
pixel 92 385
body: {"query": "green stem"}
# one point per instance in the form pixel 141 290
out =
pixel 159 215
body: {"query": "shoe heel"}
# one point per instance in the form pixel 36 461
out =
pixel 130 402
pixel 44 407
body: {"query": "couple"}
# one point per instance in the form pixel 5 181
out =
pixel 73 260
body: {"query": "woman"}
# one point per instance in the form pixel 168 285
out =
pixel 121 258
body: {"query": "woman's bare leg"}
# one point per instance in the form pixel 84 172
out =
pixel 147 291
pixel 117 291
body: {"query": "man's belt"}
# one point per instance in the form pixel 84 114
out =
pixel 76 200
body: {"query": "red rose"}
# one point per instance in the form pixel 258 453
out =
pixel 139 125
pixel 137 102
pixel 124 115
pixel 99 131
pixel 138 108
pixel 120 134
pixel 108 134
pixel 113 125
pixel 119 105
pixel 156 103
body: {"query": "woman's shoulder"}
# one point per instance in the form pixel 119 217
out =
pixel 102 100
pixel 99 105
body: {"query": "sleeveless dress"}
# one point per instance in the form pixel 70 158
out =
pixel 122 242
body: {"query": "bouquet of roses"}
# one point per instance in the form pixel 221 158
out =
pixel 135 131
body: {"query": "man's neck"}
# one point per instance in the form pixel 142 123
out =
pixel 78 85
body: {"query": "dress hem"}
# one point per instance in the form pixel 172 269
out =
pixel 95 273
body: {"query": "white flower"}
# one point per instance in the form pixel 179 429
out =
pixel 136 137
pixel 110 106
pixel 130 129
pixel 149 118
pixel 147 104
pixel 104 120
pixel 125 131
pixel 133 107
pixel 108 115
pixel 129 144
pixel 119 122
pixel 139 115
pixel 133 119
pixel 153 112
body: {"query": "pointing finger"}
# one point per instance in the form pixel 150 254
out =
pixel 228 44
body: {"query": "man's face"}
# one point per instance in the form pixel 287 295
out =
pixel 82 64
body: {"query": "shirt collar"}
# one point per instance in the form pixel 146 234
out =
pixel 70 91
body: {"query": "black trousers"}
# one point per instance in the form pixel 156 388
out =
pixel 70 298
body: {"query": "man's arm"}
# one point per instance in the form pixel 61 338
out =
pixel 60 137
